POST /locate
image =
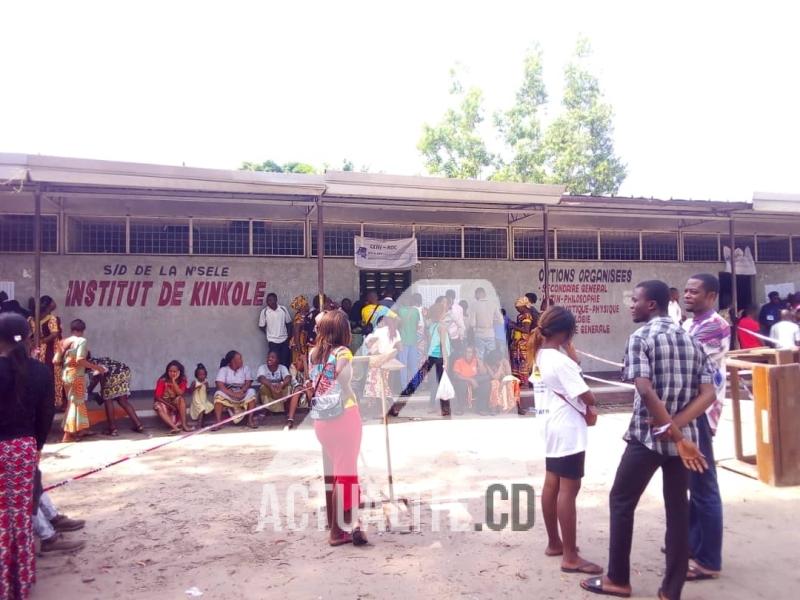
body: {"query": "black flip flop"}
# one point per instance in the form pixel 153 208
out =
pixel 581 568
pixel 595 585
pixel 359 539
pixel 695 574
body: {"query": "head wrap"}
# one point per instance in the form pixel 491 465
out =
pixel 299 304
pixel 523 301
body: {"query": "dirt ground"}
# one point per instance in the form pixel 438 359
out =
pixel 188 517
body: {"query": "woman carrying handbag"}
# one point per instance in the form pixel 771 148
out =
pixel 566 403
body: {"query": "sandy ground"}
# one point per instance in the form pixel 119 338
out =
pixel 188 517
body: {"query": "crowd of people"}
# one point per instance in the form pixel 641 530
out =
pixel 675 361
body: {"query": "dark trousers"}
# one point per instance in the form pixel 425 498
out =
pixel 430 363
pixel 284 354
pixel 480 393
pixel 637 467
pixel 705 506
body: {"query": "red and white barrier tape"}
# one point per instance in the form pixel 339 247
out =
pixel 179 438
pixel 627 386
pixel 600 358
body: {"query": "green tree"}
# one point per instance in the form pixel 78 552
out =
pixel 454 147
pixel 578 145
pixel 520 127
pixel 271 166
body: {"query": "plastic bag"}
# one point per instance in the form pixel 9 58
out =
pixel 445 390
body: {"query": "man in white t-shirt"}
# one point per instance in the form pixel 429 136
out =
pixel 786 331
pixel 276 322
pixel 274 379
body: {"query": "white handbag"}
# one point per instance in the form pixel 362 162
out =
pixel 445 391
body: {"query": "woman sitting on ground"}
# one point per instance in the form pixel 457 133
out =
pixel 115 384
pixel 233 389
pixel 565 401
pixel 504 395
pixel 471 381
pixel 75 350
pixel 201 405
pixel 298 384
pixel 170 403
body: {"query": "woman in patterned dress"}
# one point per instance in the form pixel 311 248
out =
pixel 49 339
pixel 301 324
pixel 520 340
pixel 26 414
pixel 75 350
pixel 115 384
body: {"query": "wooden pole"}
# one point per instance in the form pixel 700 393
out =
pixel 37 264
pixel 382 375
pixel 320 255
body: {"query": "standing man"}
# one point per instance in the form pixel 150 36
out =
pixel 276 322
pixel 770 313
pixel 484 316
pixel 713 334
pixel 674 385
pixel 786 332
pixel 456 328
pixel 675 311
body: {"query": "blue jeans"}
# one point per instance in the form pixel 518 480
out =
pixel 483 346
pixel 705 506
pixel 409 356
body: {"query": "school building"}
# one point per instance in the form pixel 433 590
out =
pixel 175 262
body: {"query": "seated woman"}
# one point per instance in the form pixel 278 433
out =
pixel 471 381
pixel 504 395
pixel 115 384
pixel 275 381
pixel 169 402
pixel 299 384
pixel 233 389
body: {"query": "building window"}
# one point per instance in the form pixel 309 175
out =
pixel 220 237
pixel 619 245
pixel 278 239
pixel 338 239
pixel 700 247
pixel 576 245
pixel 796 249
pixel 388 232
pixel 660 246
pixel 16 233
pixel 529 244
pixel 438 242
pixel 773 248
pixel 480 242
pixel 159 236
pixel 96 235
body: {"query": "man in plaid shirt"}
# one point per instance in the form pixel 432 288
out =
pixel 713 333
pixel 674 386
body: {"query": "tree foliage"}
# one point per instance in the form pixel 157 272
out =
pixel 579 146
pixel 271 166
pixel 575 149
pixel 454 147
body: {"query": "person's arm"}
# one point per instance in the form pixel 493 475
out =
pixel 443 341
pixel 262 380
pixel 697 407
pixel 588 398
pixel 45 407
pixel 262 320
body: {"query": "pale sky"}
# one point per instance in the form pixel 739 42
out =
pixel 706 94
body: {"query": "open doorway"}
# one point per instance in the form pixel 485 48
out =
pixel 744 290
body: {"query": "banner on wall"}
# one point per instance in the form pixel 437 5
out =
pixel 378 254
pixel 745 264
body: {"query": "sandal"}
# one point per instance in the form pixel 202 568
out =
pixel 359 538
pixel 695 574
pixel 586 567
pixel 112 432
pixel 289 425
pixel 138 428
pixel 595 585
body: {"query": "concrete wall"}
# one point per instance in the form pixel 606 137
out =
pixel 187 323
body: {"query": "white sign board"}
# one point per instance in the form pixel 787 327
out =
pixel 377 254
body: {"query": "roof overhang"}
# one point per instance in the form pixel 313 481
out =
pixel 774 202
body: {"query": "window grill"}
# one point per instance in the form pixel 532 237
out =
pixel 660 246
pixel 278 239
pixel 438 241
pixel 96 235
pixel 774 248
pixel 619 245
pixel 796 248
pixel 16 233
pixel 701 247
pixel 576 245
pixel 388 232
pixel 483 242
pixel 223 238
pixel 159 236
pixel 529 244
pixel 338 239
